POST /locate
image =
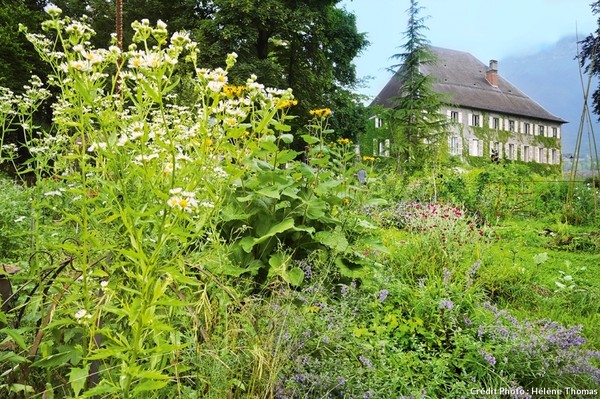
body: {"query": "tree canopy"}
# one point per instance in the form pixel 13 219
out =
pixel 308 45
pixel 18 60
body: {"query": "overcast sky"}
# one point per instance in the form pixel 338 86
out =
pixel 488 29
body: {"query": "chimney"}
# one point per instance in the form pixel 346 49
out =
pixel 491 75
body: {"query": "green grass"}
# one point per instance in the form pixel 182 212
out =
pixel 562 285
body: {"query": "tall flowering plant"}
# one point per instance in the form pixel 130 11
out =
pixel 141 170
pixel 162 188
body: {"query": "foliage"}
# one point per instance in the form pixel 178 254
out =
pixel 14 221
pixel 157 201
pixel 18 59
pixel 588 57
pixel 307 46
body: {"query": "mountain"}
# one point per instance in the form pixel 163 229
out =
pixel 552 78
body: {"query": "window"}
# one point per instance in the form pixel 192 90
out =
pixel 454 145
pixel 511 151
pixel 454 116
pixel 511 125
pixel 525 154
pixel 555 132
pixel 495 149
pixel 475 120
pixel 541 130
pixel 554 157
pixel 527 128
pixel 541 157
pixel 475 148
pixel 496 123
pixel 378 122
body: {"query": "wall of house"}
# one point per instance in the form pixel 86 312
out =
pixel 478 134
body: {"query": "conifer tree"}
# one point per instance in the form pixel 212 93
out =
pixel 417 126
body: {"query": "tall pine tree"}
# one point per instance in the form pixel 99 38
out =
pixel 417 126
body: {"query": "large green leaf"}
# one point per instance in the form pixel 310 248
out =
pixel 335 240
pixel 247 243
pixel 78 377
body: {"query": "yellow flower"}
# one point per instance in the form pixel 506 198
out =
pixel 344 141
pixel 286 103
pixel 320 113
pixel 235 91
pixel 368 158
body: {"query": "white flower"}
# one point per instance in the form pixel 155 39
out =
pixel 53 10
pixel 185 202
pixel 80 313
pixel 96 146
pixel 20 219
pixel 161 25
pixel 104 283
pixel 55 193
pixel 83 66
pixel 122 140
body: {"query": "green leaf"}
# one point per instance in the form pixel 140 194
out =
pixel 315 208
pixel 16 336
pixel 271 192
pixel 335 240
pixel 294 276
pixel 540 258
pixel 287 138
pixel 57 359
pixel 309 139
pixel 78 377
pixel 149 385
pixel 247 243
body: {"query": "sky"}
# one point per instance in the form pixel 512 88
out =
pixel 488 29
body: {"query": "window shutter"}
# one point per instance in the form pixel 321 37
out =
pixel 460 117
pixel 470 119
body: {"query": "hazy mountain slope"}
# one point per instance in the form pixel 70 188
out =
pixel 552 78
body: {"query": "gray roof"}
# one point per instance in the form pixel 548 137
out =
pixel 460 77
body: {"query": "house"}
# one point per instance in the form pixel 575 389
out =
pixel 490 117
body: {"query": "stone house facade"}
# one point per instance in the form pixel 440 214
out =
pixel 489 116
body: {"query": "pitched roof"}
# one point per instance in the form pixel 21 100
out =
pixel 461 78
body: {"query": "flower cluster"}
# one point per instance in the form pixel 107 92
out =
pixel 182 200
pixel 320 113
pixel 543 344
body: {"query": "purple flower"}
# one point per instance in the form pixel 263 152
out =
pixel 366 362
pixel 382 295
pixel 446 304
pixel 488 357
pixel 343 289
